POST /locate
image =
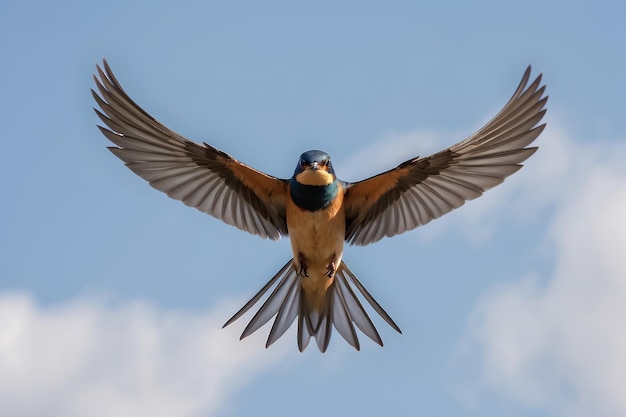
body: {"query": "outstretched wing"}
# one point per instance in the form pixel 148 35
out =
pixel 200 176
pixel 422 189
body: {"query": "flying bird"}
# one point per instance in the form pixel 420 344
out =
pixel 318 211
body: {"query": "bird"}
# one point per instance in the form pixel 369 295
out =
pixel 317 211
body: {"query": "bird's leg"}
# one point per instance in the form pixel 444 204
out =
pixel 330 272
pixel 304 269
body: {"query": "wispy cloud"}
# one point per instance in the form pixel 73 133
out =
pixel 556 341
pixel 91 358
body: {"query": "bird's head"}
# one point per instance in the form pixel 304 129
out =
pixel 314 168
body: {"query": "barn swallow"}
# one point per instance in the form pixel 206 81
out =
pixel 319 212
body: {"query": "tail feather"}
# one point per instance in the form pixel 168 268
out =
pixel 381 311
pixel 355 310
pixel 275 304
pixel 287 313
pixel 324 330
pixel 342 309
pixel 304 333
pixel 342 317
pixel 243 310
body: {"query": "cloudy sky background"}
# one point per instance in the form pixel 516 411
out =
pixel 112 295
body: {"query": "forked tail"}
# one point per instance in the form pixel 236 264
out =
pixel 342 309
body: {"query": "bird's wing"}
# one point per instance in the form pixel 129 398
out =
pixel 200 176
pixel 422 189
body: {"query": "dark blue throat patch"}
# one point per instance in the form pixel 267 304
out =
pixel 312 197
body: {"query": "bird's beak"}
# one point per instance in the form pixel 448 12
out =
pixel 314 166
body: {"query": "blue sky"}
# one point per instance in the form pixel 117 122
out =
pixel 112 295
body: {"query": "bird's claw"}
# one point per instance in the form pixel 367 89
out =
pixel 304 270
pixel 331 269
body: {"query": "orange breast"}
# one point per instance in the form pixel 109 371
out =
pixel 317 237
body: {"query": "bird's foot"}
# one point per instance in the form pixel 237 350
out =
pixel 331 269
pixel 304 269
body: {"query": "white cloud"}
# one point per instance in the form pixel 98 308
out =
pixel 557 342
pixel 88 358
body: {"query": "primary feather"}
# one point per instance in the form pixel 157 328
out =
pixel 422 189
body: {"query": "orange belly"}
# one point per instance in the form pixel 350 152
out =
pixel 317 239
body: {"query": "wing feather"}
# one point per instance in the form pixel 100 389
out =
pixel 200 176
pixel 422 189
